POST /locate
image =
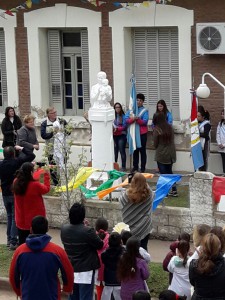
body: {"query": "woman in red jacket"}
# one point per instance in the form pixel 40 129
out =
pixel 28 199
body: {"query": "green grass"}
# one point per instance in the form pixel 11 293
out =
pixel 157 282
pixel 181 201
pixel 5 259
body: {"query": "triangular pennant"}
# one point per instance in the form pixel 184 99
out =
pixel 101 2
pixel 8 12
pixel 28 3
pixel 22 6
pixel 117 4
pixel 14 10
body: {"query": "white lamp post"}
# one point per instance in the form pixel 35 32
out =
pixel 203 91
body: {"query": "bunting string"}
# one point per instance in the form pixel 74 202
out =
pixel 98 3
pixel 25 5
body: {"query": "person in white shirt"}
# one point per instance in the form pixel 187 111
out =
pixel 220 138
pixel 178 266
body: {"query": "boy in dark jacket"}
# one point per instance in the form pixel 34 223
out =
pixel 110 259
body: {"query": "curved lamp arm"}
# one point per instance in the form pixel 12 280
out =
pixel 214 78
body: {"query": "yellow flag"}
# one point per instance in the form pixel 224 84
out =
pixel 75 182
pixel 28 3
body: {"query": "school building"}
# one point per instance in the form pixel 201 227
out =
pixel 52 50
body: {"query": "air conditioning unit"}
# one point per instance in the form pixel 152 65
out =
pixel 210 38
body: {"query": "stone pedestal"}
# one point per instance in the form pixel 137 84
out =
pixel 102 138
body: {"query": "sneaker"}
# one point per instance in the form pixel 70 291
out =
pixel 13 247
pixel 134 170
pixel 8 244
pixel 173 194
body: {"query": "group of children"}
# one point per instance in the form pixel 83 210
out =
pixel 124 266
pixel 178 260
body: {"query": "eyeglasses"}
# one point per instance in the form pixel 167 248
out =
pixel 52 113
pixel 117 107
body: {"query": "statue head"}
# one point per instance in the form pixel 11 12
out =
pixel 105 82
pixel 101 75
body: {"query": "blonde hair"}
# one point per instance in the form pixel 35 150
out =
pixel 199 233
pixel 28 118
pixel 49 109
pixel 139 190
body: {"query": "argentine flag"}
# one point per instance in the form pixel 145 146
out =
pixel 133 132
pixel 196 148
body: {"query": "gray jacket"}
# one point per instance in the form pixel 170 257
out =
pixel 26 137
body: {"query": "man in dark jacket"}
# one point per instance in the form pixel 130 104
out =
pixel 8 168
pixel 35 265
pixel 81 244
pixel 48 135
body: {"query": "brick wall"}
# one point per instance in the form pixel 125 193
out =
pixel 204 11
pixel 207 11
pixel 22 65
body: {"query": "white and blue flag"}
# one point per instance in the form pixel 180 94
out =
pixel 133 132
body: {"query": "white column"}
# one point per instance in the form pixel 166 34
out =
pixel 102 138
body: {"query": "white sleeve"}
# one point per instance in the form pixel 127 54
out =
pixel 218 139
pixel 145 254
pixel 195 255
pixel 171 265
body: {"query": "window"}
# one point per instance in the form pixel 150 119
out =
pixel 69 71
pixel 156 65
pixel 3 74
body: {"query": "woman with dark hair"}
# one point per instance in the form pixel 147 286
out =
pixel 204 131
pixel 178 266
pixel 119 134
pixel 207 274
pixel 220 139
pixel 137 208
pixel 165 152
pixel 28 198
pixel 162 107
pixel 132 270
pixel 10 124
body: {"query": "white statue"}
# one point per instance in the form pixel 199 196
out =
pixel 101 92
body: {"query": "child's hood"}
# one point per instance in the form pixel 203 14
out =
pixel 178 261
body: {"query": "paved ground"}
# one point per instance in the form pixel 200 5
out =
pixel 157 249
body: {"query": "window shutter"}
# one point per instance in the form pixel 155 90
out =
pixel 55 63
pixel 85 61
pixel 157 67
pixel 140 56
pixel 153 70
pixel 3 70
pixel 175 73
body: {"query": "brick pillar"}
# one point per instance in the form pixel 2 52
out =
pixel 22 65
pixel 106 47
